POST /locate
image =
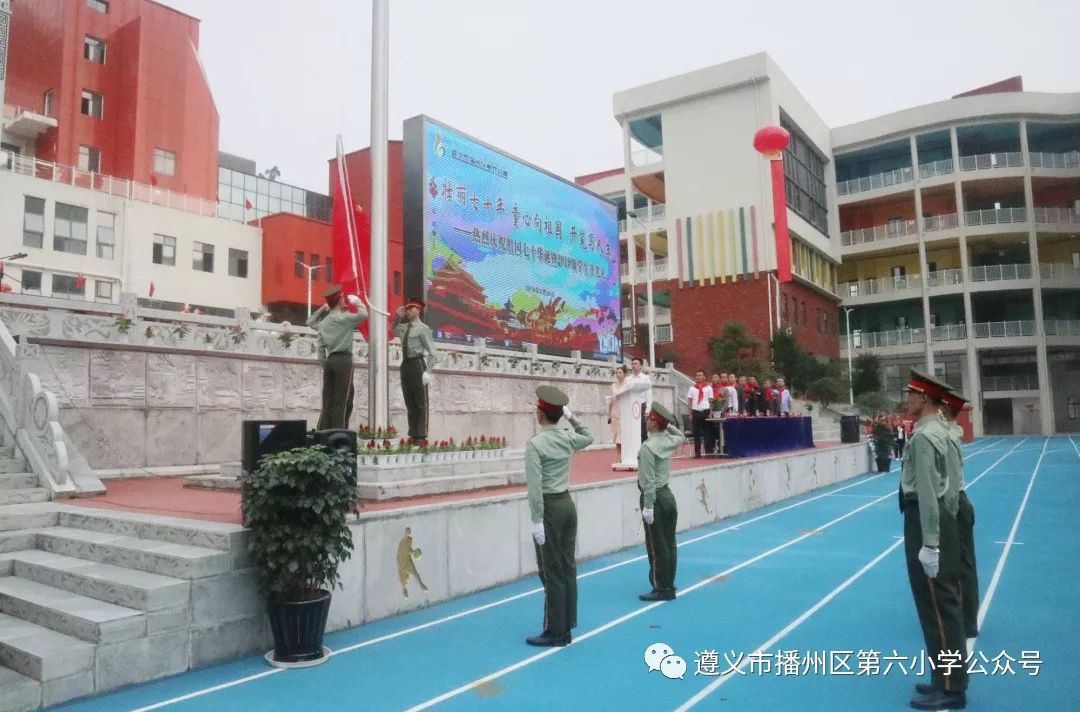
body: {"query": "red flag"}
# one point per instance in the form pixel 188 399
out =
pixel 152 290
pixel 247 204
pixel 80 281
pixel 348 246
pixel 153 179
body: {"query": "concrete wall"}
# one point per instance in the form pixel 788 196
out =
pixel 469 546
pixel 1065 375
pixel 133 406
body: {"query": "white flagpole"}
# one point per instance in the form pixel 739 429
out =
pixel 378 372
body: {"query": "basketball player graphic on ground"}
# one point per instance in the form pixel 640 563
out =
pixel 407 557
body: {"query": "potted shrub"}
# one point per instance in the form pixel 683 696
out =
pixel 294 506
pixel 884 436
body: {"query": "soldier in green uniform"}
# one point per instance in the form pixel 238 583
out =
pixel 932 546
pixel 952 404
pixel 336 326
pixel 417 359
pixel 658 508
pixel 554 517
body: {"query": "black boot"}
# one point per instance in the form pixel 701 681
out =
pixel 655 595
pixel 547 639
pixel 940 700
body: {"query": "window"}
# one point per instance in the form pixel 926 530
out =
pixel 899 275
pixel 314 263
pixel 94 50
pixel 901 322
pixel 1076 260
pixel 202 257
pixel 8 151
pixel 103 291
pixel 804 173
pixel 69 232
pixel 47 103
pixel 98 6
pixel 330 270
pixel 164 162
pixel 397 283
pixel 1073 405
pixel 238 263
pixel 106 237
pixel 33 221
pixel 31 282
pixel 92 104
pixel 89 159
pixel 64 286
pixel 298 268
pixel 164 250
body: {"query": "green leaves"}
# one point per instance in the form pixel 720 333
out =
pixel 295 505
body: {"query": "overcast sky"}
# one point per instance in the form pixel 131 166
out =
pixel 536 77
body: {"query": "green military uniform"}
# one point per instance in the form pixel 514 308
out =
pixel 547 475
pixel 968 581
pixel 654 465
pixel 336 328
pixel 929 501
pixel 417 355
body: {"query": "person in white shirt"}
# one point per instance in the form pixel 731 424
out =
pixel 638 376
pixel 785 397
pixel 697 400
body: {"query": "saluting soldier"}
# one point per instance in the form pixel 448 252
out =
pixel 336 326
pixel 658 508
pixel 554 517
pixel 417 360
pixel 952 404
pixel 932 546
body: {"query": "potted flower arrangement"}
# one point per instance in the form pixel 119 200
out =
pixel 366 454
pixel 468 449
pixel 386 454
pixel 883 434
pixel 294 506
pixel 424 449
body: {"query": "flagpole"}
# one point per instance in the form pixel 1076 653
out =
pixel 378 354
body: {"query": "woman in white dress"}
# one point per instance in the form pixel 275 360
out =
pixel 613 408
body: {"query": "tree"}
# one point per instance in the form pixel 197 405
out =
pixel 792 363
pixel 866 374
pixel 735 350
pixel 827 390
pixel 876 403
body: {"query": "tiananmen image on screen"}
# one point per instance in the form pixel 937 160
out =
pixel 512 254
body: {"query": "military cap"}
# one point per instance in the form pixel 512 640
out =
pixel 660 413
pixel 332 290
pixel 954 400
pixel 550 398
pixel 921 383
pixel 415 302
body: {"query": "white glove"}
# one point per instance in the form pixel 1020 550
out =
pixel 426 378
pixel 567 413
pixel 538 533
pixel 647 515
pixel 354 300
pixel 929 559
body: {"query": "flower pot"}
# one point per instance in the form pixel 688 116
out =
pixel 363 460
pixel 883 464
pixel 298 628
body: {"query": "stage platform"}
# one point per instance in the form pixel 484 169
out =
pixel 167 496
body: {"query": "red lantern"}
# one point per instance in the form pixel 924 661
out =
pixel 772 140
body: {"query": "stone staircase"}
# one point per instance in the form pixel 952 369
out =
pixel 17 484
pixel 93 600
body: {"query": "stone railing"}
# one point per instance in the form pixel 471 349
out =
pixel 32 416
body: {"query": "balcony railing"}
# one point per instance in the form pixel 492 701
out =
pixel 645 215
pixel 1059 270
pixel 899 228
pixel 1020 382
pixel 1056 216
pixel 878 180
pixel 1056 160
pixel 936 168
pixel 990 161
pixel 1003 329
pixel 883 339
pixel 663 332
pixel 879 285
pixel 659 270
pixel 944 277
pixel 1000 273
pixel 999 216
pixel 934 223
pixel 948 332
pixel 1062 327
pixel 646 156
pixel 118 187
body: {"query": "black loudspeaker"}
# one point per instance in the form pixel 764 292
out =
pixel 849 428
pixel 265 437
pixel 342 440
